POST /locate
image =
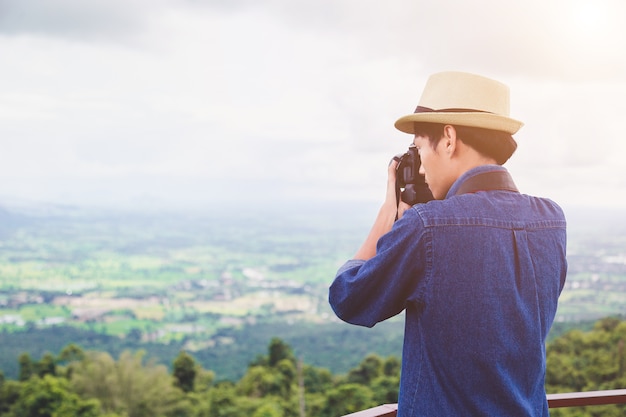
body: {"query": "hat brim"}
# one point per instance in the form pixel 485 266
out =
pixel 472 119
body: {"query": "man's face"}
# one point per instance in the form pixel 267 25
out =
pixel 434 166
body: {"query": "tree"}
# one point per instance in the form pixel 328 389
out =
pixel 367 371
pixel 128 386
pixel 258 382
pixel 279 350
pixel 588 361
pixel 26 367
pixel 51 397
pixel 262 381
pixel 224 401
pixel 317 380
pixel 46 366
pixel 269 409
pixel 134 335
pixel 9 394
pixel 385 389
pixel 346 399
pixel 184 371
pixel 71 353
pixel 392 366
pixel 287 378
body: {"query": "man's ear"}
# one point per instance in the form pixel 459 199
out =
pixel 449 139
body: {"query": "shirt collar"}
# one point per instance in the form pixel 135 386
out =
pixel 471 173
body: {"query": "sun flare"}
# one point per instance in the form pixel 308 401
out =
pixel 589 17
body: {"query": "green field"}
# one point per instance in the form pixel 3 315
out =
pixel 184 280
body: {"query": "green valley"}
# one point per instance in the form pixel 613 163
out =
pixel 220 283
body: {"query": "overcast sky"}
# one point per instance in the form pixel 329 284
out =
pixel 131 102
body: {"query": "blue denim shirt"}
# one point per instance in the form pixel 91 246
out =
pixel 478 276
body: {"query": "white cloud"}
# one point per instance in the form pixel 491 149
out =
pixel 114 100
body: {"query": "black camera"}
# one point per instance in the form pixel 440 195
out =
pixel 410 185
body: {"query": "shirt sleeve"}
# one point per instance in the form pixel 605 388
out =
pixel 367 292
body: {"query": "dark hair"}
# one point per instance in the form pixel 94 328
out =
pixel 491 143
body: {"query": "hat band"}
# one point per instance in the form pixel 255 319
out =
pixel 422 109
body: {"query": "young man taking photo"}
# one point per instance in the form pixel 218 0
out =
pixel 478 270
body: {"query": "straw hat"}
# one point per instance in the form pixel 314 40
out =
pixel 463 99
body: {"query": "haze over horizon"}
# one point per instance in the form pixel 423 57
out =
pixel 185 103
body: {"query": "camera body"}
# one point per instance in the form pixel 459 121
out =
pixel 411 187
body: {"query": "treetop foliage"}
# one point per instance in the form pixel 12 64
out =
pixel 79 383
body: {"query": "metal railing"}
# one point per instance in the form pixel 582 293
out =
pixel 570 399
pixel 581 399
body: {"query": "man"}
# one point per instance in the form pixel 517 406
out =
pixel 478 270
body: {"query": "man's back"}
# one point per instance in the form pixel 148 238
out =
pixel 479 276
pixel 485 303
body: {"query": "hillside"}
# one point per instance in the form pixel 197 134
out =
pixel 221 284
